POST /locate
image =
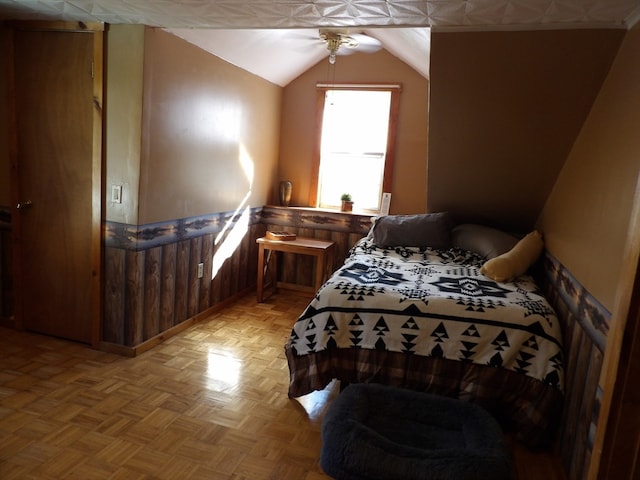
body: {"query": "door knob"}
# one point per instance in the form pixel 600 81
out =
pixel 25 204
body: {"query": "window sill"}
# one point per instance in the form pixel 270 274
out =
pixel 323 210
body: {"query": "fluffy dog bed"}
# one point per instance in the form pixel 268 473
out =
pixel 380 432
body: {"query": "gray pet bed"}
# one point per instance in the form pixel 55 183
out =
pixel 379 432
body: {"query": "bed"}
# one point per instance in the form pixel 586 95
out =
pixel 410 308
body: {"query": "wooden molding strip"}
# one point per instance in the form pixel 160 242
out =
pixel 134 351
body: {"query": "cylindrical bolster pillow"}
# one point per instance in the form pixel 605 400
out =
pixel 516 261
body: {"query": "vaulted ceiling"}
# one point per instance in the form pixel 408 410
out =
pixel 278 39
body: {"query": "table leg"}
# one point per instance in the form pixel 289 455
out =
pixel 274 269
pixel 328 265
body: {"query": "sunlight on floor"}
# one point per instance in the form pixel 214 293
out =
pixel 222 369
pixel 316 403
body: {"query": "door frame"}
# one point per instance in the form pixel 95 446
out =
pixel 615 446
pixel 97 30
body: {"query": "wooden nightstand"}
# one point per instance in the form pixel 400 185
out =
pixel 321 249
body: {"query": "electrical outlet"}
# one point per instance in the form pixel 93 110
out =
pixel 386 201
pixel 200 270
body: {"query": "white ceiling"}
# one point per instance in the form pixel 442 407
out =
pixel 278 39
pixel 280 55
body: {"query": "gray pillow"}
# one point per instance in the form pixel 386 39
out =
pixel 421 230
pixel 486 241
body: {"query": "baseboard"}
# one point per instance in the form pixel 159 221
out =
pixel 134 351
pixel 8 322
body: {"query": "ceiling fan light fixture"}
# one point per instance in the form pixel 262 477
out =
pixel 333 44
pixel 336 39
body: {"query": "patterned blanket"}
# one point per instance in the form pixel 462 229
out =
pixel 433 303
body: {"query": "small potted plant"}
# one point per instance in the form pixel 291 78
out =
pixel 347 203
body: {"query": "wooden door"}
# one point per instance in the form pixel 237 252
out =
pixel 57 183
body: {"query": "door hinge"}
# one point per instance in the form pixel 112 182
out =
pixel 92 70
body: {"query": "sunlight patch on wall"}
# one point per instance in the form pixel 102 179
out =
pixel 248 166
pixel 236 228
pixel 231 241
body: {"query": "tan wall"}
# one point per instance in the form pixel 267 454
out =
pixel 5 194
pixel 299 126
pixel 586 217
pixel 209 133
pixel 123 117
pixel 505 108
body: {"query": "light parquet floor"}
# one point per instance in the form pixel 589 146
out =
pixel 208 403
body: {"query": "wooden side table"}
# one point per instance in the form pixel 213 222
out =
pixel 321 249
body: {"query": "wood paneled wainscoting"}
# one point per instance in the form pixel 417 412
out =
pixel 585 324
pixel 345 229
pixel 151 285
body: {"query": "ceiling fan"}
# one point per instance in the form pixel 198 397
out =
pixel 341 42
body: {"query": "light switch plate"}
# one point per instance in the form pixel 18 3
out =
pixel 116 193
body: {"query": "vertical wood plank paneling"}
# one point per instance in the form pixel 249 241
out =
pixel 322 234
pixel 168 286
pixel 587 419
pixel 182 281
pixel 234 271
pixel 216 282
pixel 243 251
pixel 159 288
pixel 305 264
pixel 134 301
pixel 152 292
pixel 114 295
pixel 571 337
pixel 225 280
pixel 194 282
pixel 578 367
pixel 255 231
pixel 258 230
pixel 287 262
pixel 340 252
pixel 204 300
pixel 353 239
pixel 583 363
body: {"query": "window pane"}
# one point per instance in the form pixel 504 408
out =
pixel 359 175
pixel 353 148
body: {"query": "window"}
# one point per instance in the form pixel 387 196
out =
pixel 355 144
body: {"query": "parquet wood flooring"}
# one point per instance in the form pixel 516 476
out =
pixel 208 403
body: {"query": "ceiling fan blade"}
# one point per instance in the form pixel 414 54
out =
pixel 340 42
pixel 366 44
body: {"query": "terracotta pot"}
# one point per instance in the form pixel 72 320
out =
pixel 347 206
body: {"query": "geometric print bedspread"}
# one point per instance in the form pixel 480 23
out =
pixel 434 303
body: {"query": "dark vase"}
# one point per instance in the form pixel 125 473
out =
pixel 285 192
